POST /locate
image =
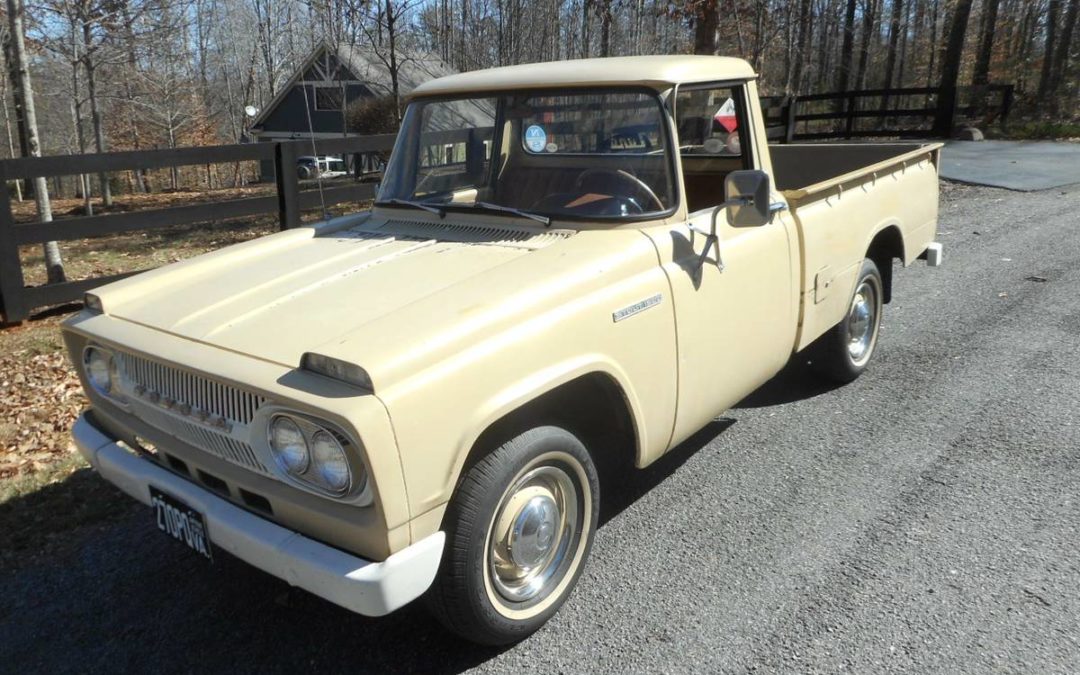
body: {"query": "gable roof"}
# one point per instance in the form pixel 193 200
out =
pixel 364 66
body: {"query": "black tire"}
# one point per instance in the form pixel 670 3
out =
pixel 835 354
pixel 304 172
pixel 470 596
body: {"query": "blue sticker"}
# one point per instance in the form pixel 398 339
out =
pixel 535 138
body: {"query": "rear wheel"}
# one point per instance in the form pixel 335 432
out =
pixel 518 531
pixel 843 353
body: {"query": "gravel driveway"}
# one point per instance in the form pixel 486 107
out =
pixel 922 519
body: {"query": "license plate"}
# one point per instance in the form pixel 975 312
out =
pixel 181 522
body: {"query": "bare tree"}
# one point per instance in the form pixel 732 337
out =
pixel 1053 10
pixel 981 75
pixel 20 71
pixel 950 68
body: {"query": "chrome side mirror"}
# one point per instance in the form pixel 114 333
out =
pixel 748 193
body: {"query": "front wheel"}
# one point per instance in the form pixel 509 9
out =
pixel 518 531
pixel 843 353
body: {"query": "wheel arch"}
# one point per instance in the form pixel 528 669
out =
pixel 593 402
pixel 886 244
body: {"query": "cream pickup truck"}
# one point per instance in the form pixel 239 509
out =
pixel 568 266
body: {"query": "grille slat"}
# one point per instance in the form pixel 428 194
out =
pixel 221 400
pixel 232 403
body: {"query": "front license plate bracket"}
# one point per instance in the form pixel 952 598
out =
pixel 181 522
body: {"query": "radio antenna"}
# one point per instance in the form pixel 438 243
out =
pixel 315 152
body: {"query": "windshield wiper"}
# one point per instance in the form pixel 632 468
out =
pixel 509 209
pixel 416 205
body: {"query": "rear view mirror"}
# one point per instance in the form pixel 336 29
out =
pixel 748 194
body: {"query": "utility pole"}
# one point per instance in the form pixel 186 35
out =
pixel 21 75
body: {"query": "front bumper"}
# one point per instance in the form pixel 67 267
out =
pixel 359 585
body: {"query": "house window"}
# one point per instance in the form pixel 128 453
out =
pixel 328 98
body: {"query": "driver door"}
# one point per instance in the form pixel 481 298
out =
pixel 735 305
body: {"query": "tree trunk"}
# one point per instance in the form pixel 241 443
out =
pixel 868 28
pixel 890 59
pixel 801 55
pixel 95 116
pixel 846 46
pixel 981 76
pixel 933 50
pixel 391 34
pixel 1061 53
pixel 129 93
pixel 54 265
pixel 10 137
pixel 1052 12
pixel 950 68
pixel 705 26
pixel 605 28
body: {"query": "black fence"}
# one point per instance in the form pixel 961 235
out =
pixel 892 113
pixel 17 300
pixel 881 113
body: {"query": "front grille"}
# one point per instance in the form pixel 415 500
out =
pixel 219 399
pixel 225 447
pixel 197 394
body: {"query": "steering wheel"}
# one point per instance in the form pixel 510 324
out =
pixel 622 176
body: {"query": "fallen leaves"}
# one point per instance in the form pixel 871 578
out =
pixel 40 398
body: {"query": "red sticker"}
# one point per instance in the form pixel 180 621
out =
pixel 725 116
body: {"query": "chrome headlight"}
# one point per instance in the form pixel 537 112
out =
pixel 315 453
pixel 330 462
pixel 288 444
pixel 100 369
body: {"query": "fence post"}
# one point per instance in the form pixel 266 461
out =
pixel 288 185
pixel 850 124
pixel 789 118
pixel 12 284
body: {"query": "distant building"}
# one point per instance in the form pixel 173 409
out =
pixel 312 103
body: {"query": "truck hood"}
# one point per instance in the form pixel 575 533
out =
pixel 380 285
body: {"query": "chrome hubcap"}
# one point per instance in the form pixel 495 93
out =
pixel 862 319
pixel 532 533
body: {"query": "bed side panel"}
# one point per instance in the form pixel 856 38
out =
pixel 837 225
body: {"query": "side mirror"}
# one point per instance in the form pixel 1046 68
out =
pixel 748 193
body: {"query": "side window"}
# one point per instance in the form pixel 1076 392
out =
pixel 711 122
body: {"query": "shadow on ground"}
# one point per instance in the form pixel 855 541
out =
pixel 796 382
pixel 118 595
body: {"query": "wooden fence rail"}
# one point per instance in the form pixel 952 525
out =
pixel 17 300
pixel 892 112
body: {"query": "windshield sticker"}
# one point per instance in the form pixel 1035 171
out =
pixel 551 147
pixel 725 116
pixel 535 138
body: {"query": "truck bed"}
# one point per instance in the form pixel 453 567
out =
pixel 842 196
pixel 801 170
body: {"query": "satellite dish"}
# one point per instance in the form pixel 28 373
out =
pixel 251 111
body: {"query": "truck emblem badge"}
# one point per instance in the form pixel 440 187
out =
pixel 640 306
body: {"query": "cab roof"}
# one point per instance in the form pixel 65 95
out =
pixel 657 72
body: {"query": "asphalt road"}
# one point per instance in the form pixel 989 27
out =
pixel 922 519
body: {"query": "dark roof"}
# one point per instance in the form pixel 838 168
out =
pixel 367 67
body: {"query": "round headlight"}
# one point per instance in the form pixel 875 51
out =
pixel 289 445
pixel 98 364
pixel 330 461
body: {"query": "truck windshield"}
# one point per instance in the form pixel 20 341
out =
pixel 564 154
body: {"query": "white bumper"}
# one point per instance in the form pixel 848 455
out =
pixel 362 586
